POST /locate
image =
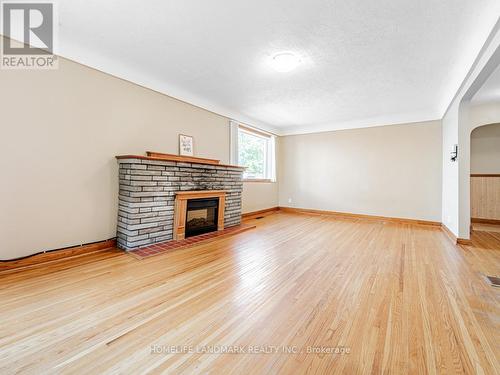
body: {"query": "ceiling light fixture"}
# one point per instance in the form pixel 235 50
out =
pixel 285 62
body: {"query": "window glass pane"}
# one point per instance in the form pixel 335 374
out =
pixel 252 154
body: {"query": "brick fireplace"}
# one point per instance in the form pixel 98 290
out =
pixel 154 192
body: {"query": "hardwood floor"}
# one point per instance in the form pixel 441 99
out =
pixel 484 254
pixel 400 298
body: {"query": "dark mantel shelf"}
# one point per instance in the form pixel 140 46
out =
pixel 177 158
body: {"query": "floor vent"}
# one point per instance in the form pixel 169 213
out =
pixel 494 281
pixel 259 217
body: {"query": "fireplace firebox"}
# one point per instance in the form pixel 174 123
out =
pixel 201 216
pixel 207 205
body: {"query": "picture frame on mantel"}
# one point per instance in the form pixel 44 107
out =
pixel 186 145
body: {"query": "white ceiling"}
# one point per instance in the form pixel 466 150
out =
pixel 490 91
pixel 364 62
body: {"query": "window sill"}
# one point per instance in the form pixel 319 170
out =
pixel 265 180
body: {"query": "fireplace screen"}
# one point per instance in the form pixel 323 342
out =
pixel 201 216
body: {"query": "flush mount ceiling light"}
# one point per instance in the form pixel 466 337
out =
pixel 285 62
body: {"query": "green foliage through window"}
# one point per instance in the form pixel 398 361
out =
pixel 252 152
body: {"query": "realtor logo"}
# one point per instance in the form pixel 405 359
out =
pixel 29 30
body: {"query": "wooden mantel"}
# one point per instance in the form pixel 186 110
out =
pixel 181 198
pixel 152 155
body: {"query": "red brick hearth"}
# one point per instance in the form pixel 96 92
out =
pixel 163 247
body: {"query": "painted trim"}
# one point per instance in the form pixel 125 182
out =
pixel 255 131
pixel 57 254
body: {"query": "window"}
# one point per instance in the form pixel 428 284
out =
pixel 255 151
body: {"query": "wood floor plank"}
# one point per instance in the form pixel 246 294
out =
pixel 399 298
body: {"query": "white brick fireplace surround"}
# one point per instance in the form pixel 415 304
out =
pixel 148 185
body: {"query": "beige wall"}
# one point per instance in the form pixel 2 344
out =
pixel 388 171
pixel 259 195
pixel 60 131
pixel 485 150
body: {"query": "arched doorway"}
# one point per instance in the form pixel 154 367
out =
pixel 485 178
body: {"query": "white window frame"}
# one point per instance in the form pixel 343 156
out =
pixel 270 167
